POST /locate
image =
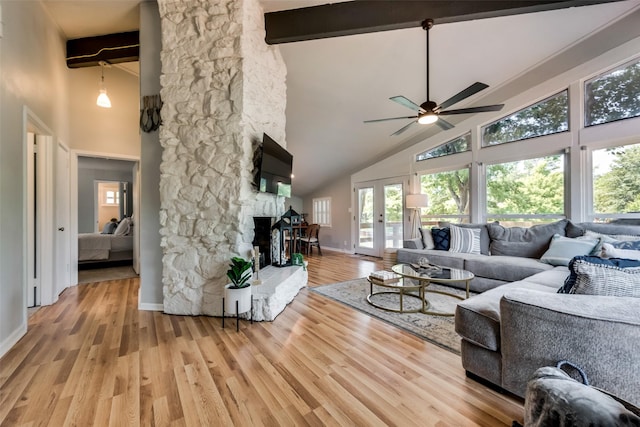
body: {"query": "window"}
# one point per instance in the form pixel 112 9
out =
pixel 322 211
pixel 458 145
pixel 448 194
pixel 525 192
pixel 111 197
pixel 616 181
pixel 614 95
pixel 544 118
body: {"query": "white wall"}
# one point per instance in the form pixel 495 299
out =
pixel 104 130
pixel 33 75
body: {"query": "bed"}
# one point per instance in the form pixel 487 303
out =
pixel 97 247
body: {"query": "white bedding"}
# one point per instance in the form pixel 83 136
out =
pixel 97 247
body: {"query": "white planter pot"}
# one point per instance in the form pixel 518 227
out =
pixel 242 296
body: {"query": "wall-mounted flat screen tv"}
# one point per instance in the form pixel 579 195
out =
pixel 276 165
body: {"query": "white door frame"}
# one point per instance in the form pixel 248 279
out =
pixel 38 227
pixel 63 243
pixel 378 215
pixel 73 196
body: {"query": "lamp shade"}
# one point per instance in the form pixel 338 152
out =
pixel 417 201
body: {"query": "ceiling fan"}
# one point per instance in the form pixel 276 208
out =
pixel 429 112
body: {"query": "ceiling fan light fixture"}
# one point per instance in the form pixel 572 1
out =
pixel 427 119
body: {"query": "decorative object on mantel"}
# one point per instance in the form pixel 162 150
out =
pixel 237 294
pixel 150 119
pixel 255 255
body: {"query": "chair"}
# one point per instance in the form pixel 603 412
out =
pixel 311 239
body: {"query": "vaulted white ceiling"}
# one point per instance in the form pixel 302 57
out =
pixel 334 84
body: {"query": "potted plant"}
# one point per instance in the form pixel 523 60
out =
pixel 239 290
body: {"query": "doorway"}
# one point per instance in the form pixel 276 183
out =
pixel 380 216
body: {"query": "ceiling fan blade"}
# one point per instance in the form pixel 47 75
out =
pixel 402 129
pixel 390 118
pixel 471 90
pixel 483 109
pixel 407 103
pixel 444 125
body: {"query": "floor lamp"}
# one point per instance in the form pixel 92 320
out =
pixel 415 202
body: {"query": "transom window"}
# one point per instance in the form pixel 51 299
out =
pixel 526 191
pixel 544 118
pixel 614 95
pixel 458 145
pixel 616 181
pixel 448 196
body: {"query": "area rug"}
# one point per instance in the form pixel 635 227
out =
pixel 438 330
pixel 104 274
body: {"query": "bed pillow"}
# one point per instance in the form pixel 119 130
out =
pixel 531 242
pixel 589 269
pixel 440 238
pixel 563 249
pixel 427 238
pixel 465 240
pixel 123 228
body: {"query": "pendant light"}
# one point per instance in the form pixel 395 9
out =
pixel 103 100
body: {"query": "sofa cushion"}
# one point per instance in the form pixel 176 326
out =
pixel 575 268
pixel 477 319
pixel 485 241
pixel 612 250
pixel 529 242
pixel 578 229
pixel 466 240
pixel 443 258
pixel 441 238
pixel 563 249
pixel 507 268
pixel 552 278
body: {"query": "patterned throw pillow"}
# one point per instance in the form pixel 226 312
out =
pixel 465 240
pixel 427 238
pixel 563 249
pixel 440 238
pixel 598 276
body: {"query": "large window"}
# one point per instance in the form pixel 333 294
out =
pixel 526 191
pixel 448 196
pixel 616 180
pixel 614 95
pixel 544 118
pixel 458 145
pixel 322 211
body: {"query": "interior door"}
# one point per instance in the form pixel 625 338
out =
pixel 63 245
pixel 380 216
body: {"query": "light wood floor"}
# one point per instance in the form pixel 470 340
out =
pixel 94 359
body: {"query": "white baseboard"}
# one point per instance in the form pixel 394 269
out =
pixel 346 251
pixel 150 307
pixel 12 339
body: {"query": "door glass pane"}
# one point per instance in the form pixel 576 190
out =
pixel 365 217
pixel 393 216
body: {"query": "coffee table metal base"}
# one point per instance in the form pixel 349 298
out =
pixel 404 291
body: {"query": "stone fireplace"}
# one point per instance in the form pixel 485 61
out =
pixel 222 87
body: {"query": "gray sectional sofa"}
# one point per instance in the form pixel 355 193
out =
pixel 519 322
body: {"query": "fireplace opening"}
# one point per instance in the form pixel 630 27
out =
pixel 262 238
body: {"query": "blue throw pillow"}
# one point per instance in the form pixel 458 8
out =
pixel 570 281
pixel 441 238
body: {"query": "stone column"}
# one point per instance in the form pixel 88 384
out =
pixel 222 87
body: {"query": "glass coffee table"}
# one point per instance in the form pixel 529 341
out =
pixel 419 278
pixel 402 288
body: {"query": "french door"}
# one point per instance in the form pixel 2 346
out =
pixel 379 215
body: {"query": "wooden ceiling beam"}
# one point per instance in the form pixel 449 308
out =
pixel 367 16
pixel 111 48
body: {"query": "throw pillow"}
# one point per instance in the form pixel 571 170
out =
pixel 466 240
pixel 524 242
pixel 563 249
pixel 440 238
pixel 484 233
pixel 610 251
pixel 427 238
pixel 596 262
pixel 123 228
